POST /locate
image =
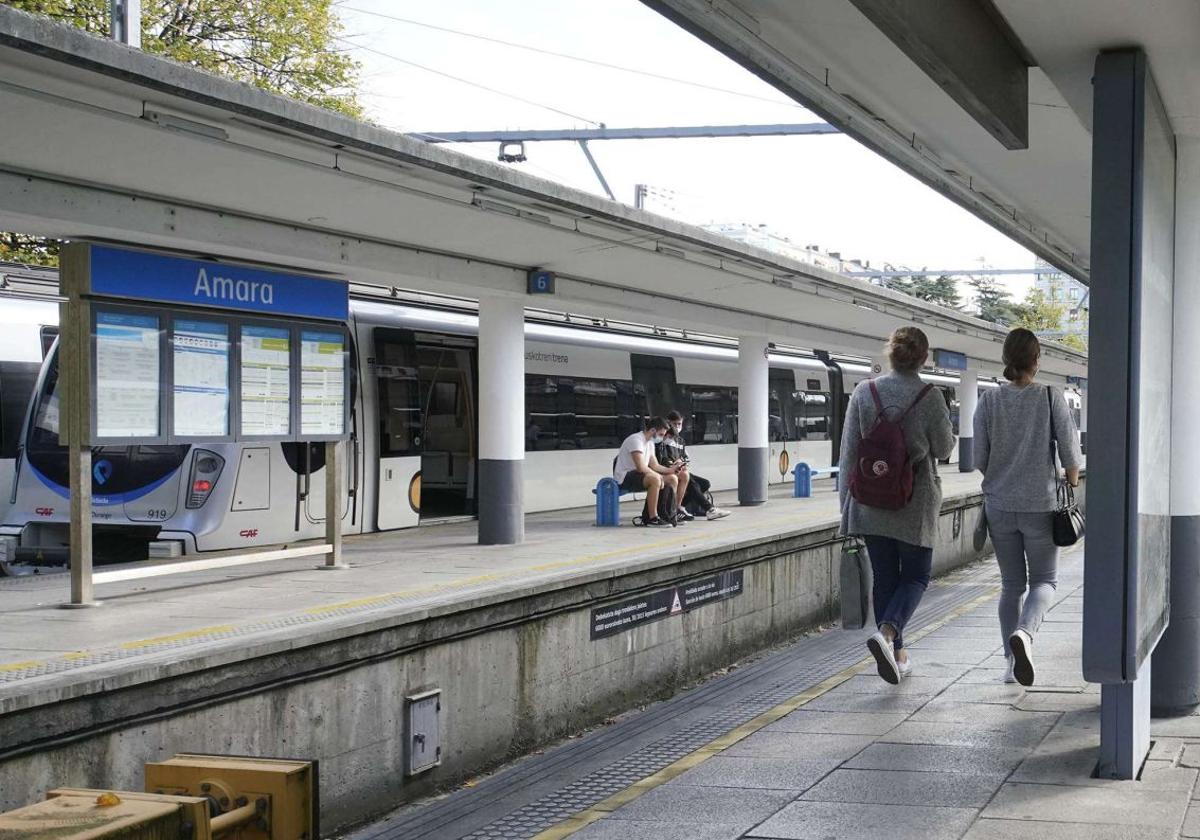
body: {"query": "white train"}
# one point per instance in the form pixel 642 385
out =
pixel 411 458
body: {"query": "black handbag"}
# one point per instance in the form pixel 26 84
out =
pixel 854 581
pixel 1068 525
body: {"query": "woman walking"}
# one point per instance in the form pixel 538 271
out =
pixel 899 533
pixel 1016 428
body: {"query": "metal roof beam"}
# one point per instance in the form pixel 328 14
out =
pixel 659 133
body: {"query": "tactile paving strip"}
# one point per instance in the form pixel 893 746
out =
pixel 827 655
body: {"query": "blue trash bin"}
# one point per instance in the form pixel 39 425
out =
pixel 608 502
pixel 802 487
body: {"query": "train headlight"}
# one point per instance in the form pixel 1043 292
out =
pixel 206 469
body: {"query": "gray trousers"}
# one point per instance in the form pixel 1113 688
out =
pixel 1028 559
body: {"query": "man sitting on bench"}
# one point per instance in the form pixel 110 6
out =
pixel 673 451
pixel 637 469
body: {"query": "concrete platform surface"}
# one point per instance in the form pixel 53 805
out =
pixel 147 629
pixel 952 753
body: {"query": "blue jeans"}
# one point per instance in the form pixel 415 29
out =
pixel 901 573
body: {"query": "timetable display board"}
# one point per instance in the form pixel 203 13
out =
pixel 266 374
pixel 127 351
pixel 190 350
pixel 322 383
pixel 200 386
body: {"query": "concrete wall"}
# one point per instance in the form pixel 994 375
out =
pixel 513 675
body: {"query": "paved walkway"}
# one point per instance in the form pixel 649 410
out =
pixel 953 752
pixel 160 620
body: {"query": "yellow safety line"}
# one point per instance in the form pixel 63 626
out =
pixel 177 637
pixel 21 666
pixel 605 807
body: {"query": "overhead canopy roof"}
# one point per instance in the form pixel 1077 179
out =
pixel 905 86
pixel 107 142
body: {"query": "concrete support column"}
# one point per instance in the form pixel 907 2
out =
pixel 501 420
pixel 1176 685
pixel 968 394
pixel 753 452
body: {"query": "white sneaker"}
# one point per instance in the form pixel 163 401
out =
pixel 905 667
pixel 1021 644
pixel 1009 676
pixel 717 513
pixel 885 658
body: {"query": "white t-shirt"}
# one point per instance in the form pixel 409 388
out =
pixel 636 442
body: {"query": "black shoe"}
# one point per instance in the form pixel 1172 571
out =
pixel 657 523
pixel 682 516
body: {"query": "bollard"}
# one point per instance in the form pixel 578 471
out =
pixel 802 487
pixel 608 503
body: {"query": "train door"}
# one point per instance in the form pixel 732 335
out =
pixel 427 426
pixel 655 376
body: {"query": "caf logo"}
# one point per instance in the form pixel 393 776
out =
pixel 880 468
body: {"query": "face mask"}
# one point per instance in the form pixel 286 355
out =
pixel 658 439
pixel 677 428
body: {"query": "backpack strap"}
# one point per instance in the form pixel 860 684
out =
pixel 916 400
pixel 875 396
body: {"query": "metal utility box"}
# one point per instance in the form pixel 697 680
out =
pixel 283 793
pixel 423 735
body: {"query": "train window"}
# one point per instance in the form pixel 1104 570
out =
pixel 817 416
pixel 547 417
pixel 17 381
pixel 399 394
pixel 655 377
pixel 569 413
pixel 597 417
pixel 44 435
pixel 714 414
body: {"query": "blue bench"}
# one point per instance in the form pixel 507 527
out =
pixel 608 502
pixel 803 476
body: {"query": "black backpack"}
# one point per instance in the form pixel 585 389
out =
pixel 666 508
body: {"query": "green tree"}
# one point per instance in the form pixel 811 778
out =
pixel 1074 341
pixel 1040 313
pixel 283 46
pixel 995 304
pixel 287 47
pixel 940 290
pixel 30 250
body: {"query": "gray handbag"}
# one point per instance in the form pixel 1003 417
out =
pixel 855 584
pixel 979 538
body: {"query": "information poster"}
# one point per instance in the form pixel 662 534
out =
pixel 201 386
pixel 266 381
pixel 322 383
pixel 127 365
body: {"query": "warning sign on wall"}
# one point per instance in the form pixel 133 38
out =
pixel 612 619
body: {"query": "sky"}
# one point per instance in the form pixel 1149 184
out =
pixel 826 190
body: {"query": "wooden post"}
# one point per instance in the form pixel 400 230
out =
pixel 75 414
pixel 333 506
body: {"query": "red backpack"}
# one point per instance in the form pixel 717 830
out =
pixel 882 476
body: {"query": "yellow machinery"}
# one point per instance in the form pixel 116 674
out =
pixel 189 797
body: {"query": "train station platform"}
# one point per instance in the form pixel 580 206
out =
pixel 807 743
pixel 527 644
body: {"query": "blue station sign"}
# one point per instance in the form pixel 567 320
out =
pixel 143 275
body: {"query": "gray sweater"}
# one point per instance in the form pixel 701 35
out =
pixel 929 436
pixel 1012 446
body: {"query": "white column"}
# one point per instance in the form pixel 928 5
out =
pixel 968 394
pixel 501 420
pixel 752 420
pixel 1176 684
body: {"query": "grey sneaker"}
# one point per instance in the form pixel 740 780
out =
pixel 717 513
pixel 885 658
pixel 1021 644
pixel 1009 676
pixel 905 667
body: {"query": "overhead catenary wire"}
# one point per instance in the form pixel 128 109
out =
pixel 581 59
pixel 469 82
